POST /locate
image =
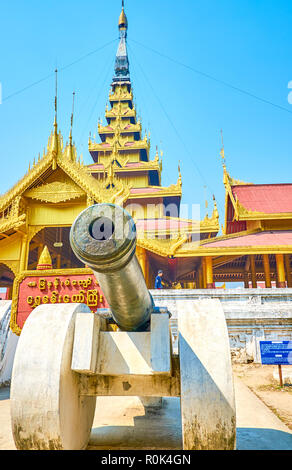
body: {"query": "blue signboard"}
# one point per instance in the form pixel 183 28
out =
pixel 276 352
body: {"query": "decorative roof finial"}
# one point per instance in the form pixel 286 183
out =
pixel 122 73
pixel 206 201
pixel 54 143
pixel 222 152
pixel 69 148
pixel 56 97
pixel 123 22
pixel 72 115
pixel 215 210
pixel 179 175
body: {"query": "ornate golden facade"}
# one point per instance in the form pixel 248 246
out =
pixel 39 210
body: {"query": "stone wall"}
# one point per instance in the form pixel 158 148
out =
pixel 251 315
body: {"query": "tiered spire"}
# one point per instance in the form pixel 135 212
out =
pixel 122 145
pixel 122 72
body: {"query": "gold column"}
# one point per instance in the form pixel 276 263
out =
pixel 209 273
pixel 267 270
pixel 142 258
pixel 23 254
pixel 253 271
pixel 281 271
pixel 288 270
pixel 204 273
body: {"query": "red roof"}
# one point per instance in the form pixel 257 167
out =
pixel 267 198
pixel 271 238
pixel 149 189
pixel 164 223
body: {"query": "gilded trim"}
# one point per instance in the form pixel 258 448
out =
pixel 20 277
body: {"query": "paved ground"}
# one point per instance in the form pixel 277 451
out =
pixel 258 428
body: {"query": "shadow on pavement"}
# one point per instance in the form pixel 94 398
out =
pixel 4 393
pixel 262 439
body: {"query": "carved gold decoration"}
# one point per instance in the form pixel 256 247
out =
pixel 112 189
pixel 121 93
pixel 55 192
pixel 33 230
pixel 12 265
pixel 162 247
pixel 12 223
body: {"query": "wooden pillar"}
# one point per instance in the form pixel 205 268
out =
pixel 253 271
pixel 267 270
pixel 204 273
pixel 281 271
pixel 209 273
pixel 200 278
pixel 288 270
pixel 197 277
pixel 58 261
pixel 246 280
pixel 9 293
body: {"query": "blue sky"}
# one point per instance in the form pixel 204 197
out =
pixel 244 43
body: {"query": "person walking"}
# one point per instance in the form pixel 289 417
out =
pixel 158 280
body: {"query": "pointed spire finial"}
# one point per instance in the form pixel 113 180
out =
pixel 122 73
pixel 123 22
pixel 56 94
pixel 69 153
pixel 222 152
pixel 53 145
pixel 72 116
pixel 215 210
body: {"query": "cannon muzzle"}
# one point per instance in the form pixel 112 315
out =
pixel 104 238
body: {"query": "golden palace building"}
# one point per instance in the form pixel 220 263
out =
pixel 36 215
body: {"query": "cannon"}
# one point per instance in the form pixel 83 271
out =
pixel 69 358
pixel 104 238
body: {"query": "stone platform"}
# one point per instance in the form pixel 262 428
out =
pixel 121 423
pixel 252 315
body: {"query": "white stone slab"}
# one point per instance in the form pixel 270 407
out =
pixel 47 409
pixel 86 339
pixel 136 353
pixel 160 344
pixel 207 395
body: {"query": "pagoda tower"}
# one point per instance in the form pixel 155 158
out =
pixel 123 153
pixel 127 176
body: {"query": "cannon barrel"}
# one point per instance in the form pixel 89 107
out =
pixel 104 238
